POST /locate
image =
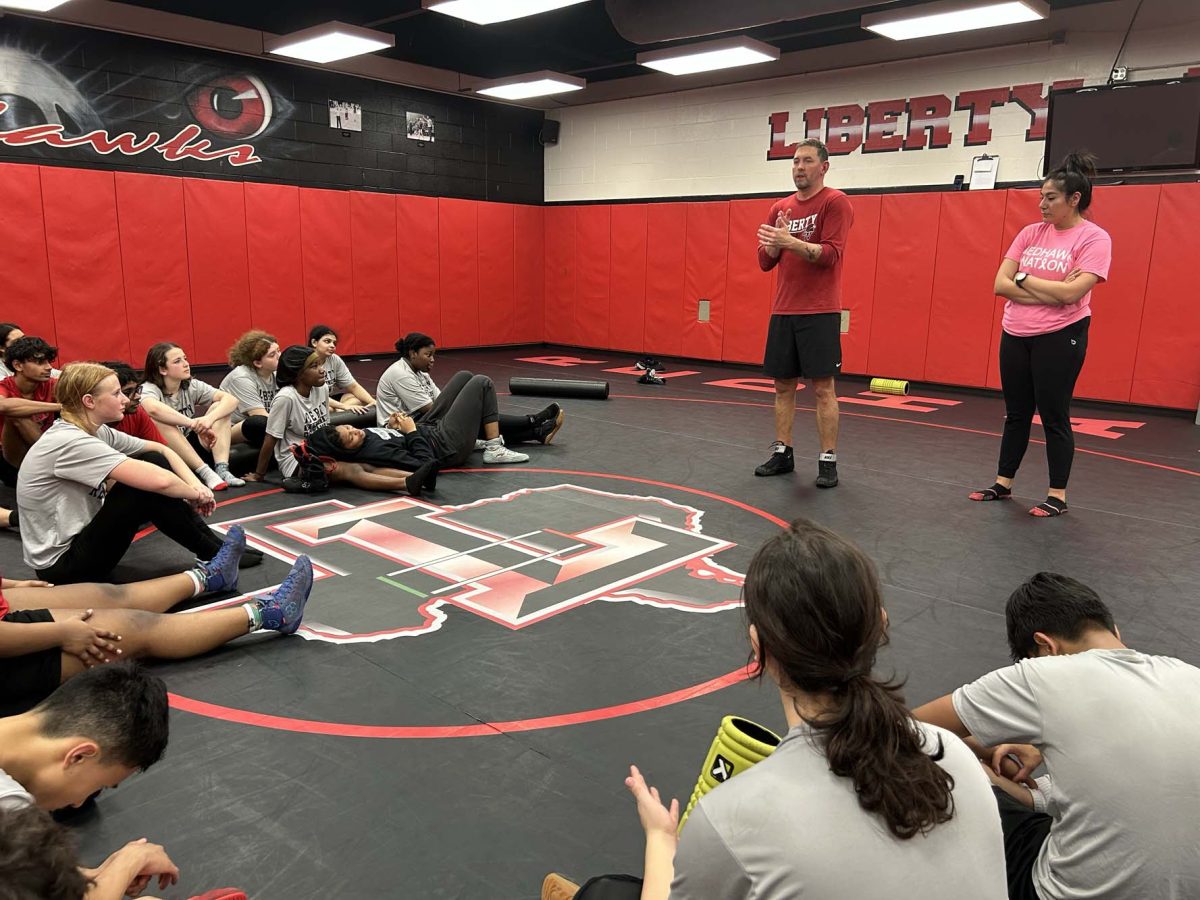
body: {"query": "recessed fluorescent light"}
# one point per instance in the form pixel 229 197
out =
pixel 487 12
pixel 535 84
pixel 950 17
pixel 33 5
pixel 329 42
pixel 706 57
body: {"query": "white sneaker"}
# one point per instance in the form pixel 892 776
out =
pixel 480 444
pixel 496 454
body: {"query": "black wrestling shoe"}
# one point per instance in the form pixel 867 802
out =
pixel 549 414
pixel 781 462
pixel 827 476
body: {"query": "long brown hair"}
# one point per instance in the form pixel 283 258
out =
pixel 77 380
pixel 814 599
pixel 156 359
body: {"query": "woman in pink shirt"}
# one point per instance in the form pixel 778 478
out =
pixel 1047 277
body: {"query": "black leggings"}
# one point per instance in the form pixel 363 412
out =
pixel 1038 373
pixel 466 403
pixel 96 550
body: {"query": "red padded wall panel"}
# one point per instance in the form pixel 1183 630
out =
pixel 154 258
pixel 373 258
pixel 665 251
pixel 418 264
pixel 592 277
pixel 748 289
pixel 276 273
pixel 27 300
pixel 904 286
pixel 560 275
pixel 960 322
pixel 1021 209
pixel 530 274
pixel 218 267
pixel 497 261
pixel 328 271
pixel 705 256
pixel 458 224
pixel 1167 371
pixel 858 281
pixel 627 299
pixel 84 253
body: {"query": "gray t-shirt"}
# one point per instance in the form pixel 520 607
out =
pixel 12 794
pixel 337 376
pixel 250 390
pixel 789 828
pixel 292 419
pixel 185 400
pixel 401 389
pixel 1118 731
pixel 61 486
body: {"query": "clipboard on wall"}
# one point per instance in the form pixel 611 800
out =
pixel 983 172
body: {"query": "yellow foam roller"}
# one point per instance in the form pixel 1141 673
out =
pixel 889 386
pixel 739 744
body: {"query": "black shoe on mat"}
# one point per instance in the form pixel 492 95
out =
pixel 780 462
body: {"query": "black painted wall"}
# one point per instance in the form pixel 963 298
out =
pixel 86 80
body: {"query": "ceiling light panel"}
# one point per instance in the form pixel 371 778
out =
pixel 535 84
pixel 488 12
pixel 950 18
pixel 32 5
pixel 709 56
pixel 329 42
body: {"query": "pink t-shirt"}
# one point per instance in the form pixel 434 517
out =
pixel 1045 252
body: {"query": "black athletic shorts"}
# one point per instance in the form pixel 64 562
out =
pixel 804 346
pixel 27 680
pixel 1024 833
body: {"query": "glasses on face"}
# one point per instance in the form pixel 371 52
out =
pixel 132 392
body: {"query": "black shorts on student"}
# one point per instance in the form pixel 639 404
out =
pixel 804 346
pixel 28 679
pixel 1025 831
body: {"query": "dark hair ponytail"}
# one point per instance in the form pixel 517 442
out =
pixel 1074 176
pixel 414 341
pixel 815 602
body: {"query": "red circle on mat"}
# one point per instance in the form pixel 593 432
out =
pixel 480 729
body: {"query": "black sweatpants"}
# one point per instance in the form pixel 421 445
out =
pixel 465 403
pixel 1038 373
pixel 96 550
pixel 1024 833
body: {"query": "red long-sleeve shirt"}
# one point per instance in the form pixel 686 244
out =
pixel 807 287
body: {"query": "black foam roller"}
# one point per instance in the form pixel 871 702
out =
pixel 559 387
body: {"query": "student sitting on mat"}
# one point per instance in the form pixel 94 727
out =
pixel 406 386
pixel 31 361
pixel 135 421
pixel 51 633
pixel 860 801
pixel 302 407
pixel 171 396
pixel 344 391
pixel 1117 730
pixel 82 499
pixel 254 357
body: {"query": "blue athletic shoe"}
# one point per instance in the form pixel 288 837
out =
pixel 283 610
pixel 221 572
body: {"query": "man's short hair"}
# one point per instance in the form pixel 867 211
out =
pixel 38 858
pixel 26 348
pixel 1056 605
pixel 125 372
pixel 120 706
pixel 816 144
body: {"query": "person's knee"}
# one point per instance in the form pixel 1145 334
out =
pixel 825 390
pixel 785 386
pixel 482 380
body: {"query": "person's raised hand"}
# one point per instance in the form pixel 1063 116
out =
pixel 655 816
pixel 90 645
pixel 1029 757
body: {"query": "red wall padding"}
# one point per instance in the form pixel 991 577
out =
pixel 627 296
pixel 418 259
pixel 705 258
pixel 276 273
pixel 458 224
pixel 497 273
pixel 560 275
pixel 325 258
pixel 86 280
pixel 530 274
pixel 375 281
pixel 26 276
pixel 155 262
pixel 858 280
pixel 665 265
pixel 593 242
pixel 218 266
pixel 748 290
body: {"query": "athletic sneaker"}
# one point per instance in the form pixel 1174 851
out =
pixel 780 462
pixel 555 887
pixel 549 414
pixel 228 477
pixel 211 479
pixel 283 610
pixel 221 572
pixel 496 454
pixel 221 894
pixel 545 430
pixel 480 444
pixel 827 476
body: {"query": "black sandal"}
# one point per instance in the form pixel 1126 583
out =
pixel 1049 508
pixel 995 492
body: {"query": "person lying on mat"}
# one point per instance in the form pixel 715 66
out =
pixel 406 386
pixel 254 357
pixel 82 498
pixel 1115 814
pixel 344 391
pixel 302 407
pixel 859 797
pixel 50 633
pixel 172 396
pixel 402 447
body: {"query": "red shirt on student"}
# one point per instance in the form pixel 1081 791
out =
pixel 138 424
pixel 43 393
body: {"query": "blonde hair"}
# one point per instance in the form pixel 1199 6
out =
pixel 77 380
pixel 250 348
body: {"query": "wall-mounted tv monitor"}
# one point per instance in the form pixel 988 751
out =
pixel 1131 127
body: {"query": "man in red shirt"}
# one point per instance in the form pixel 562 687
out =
pixel 31 360
pixel 805 235
pixel 136 421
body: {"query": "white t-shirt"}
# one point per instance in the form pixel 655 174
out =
pixel 789 828
pixel 401 389
pixel 61 486
pixel 292 419
pixel 1118 731
pixel 250 390
pixel 185 400
pixel 337 375
pixel 12 794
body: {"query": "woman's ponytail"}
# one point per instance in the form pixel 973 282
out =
pixel 1074 176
